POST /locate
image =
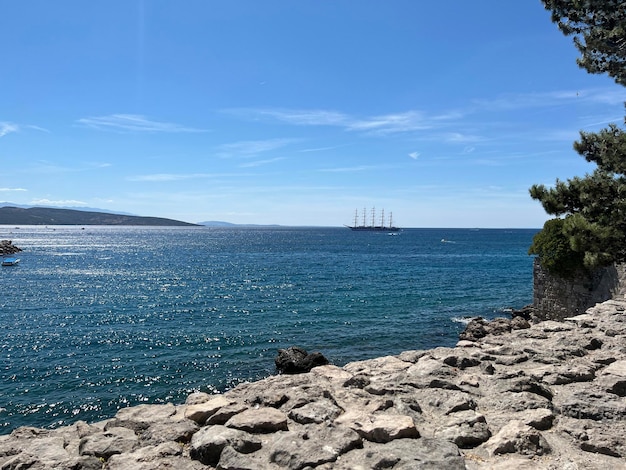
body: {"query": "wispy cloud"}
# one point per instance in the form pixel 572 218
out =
pixel 354 169
pixel 160 177
pixel 612 96
pixel 458 137
pixel 414 155
pixel 318 149
pixel 260 162
pixel 392 123
pixel 7 128
pixel 7 190
pixel 383 124
pixel 419 121
pixel 300 117
pixel 61 202
pixel 44 166
pixel 251 148
pixel 133 123
pixel 38 128
pixel 164 177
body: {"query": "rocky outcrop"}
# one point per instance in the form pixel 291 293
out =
pixel 8 248
pixel 548 395
pixel 295 360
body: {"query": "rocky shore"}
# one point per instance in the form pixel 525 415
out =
pixel 547 395
pixel 8 248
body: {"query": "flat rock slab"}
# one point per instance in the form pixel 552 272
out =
pixel 202 410
pixel 379 427
pixel 259 420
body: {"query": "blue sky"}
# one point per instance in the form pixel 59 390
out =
pixel 293 112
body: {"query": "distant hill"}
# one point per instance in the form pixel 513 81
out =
pixel 52 216
pixel 219 223
pixel 81 208
pixel 216 223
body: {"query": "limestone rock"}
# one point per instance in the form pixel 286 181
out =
pixel 176 431
pixel 140 417
pixel 517 437
pixel 401 454
pixel 115 440
pixel 613 378
pixel 259 420
pixel 166 456
pixel 379 427
pixel 198 397
pixel 465 429
pixel 315 412
pixel 230 459
pixel 208 443
pixel 539 418
pixel 223 414
pixel 200 411
pixel 312 446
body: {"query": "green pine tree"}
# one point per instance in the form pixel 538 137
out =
pixel 593 207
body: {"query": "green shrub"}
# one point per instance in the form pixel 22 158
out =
pixel 555 253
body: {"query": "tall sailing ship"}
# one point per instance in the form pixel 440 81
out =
pixel 375 225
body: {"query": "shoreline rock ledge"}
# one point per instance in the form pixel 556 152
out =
pixel 550 395
pixel 8 248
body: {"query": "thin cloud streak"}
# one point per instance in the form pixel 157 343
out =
pixel 261 162
pixel 298 117
pixel 417 121
pixel 457 137
pixel 161 177
pixel 252 147
pixel 351 169
pixel 384 124
pixel 7 128
pixel 44 167
pixel 318 149
pixel 164 177
pixel 393 123
pixel 37 128
pixel 553 98
pixel 133 123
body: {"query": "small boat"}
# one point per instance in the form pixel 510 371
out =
pixel 10 261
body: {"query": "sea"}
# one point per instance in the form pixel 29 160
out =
pixel 94 318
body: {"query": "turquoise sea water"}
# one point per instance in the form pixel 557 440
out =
pixel 98 318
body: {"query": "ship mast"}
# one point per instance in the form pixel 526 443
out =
pixel 368 221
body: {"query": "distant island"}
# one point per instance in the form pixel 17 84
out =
pixel 52 216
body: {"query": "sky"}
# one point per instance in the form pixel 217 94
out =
pixel 294 112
